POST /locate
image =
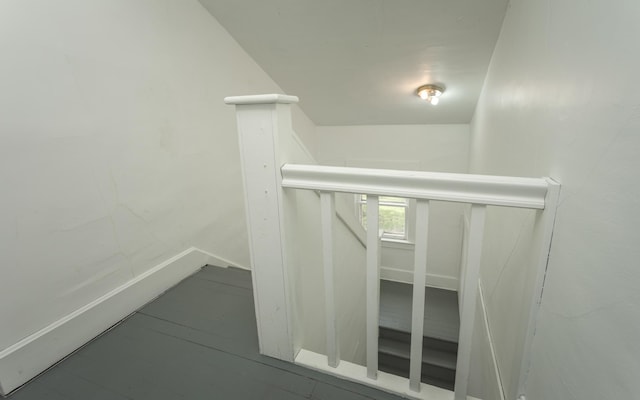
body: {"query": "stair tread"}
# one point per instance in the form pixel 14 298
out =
pixel 429 356
pixel 441 383
pixel 441 320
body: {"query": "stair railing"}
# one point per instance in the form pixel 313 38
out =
pixel 264 125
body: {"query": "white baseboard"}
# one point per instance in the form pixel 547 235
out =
pixel 218 261
pixel 432 280
pixel 26 359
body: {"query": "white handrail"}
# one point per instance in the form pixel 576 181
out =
pixel 478 190
pixel 266 144
pixel 465 188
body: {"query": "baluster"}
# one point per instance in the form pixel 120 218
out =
pixel 474 251
pixel 373 286
pixel 419 272
pixel 328 214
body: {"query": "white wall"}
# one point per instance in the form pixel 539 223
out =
pixel 484 380
pixel 509 268
pixel 117 151
pixel 560 100
pixel 349 283
pixel 436 148
pixel 349 270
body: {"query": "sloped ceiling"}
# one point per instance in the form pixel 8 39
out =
pixel 358 62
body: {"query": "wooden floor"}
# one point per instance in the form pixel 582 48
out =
pixel 197 341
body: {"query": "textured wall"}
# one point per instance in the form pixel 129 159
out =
pixel 116 149
pixel 560 100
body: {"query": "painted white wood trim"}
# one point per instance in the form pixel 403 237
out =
pixel 463 258
pixel 261 99
pixel 218 261
pixel 32 355
pixel 548 219
pixel 327 218
pixel 373 286
pixel 474 253
pixel 417 310
pixel 466 188
pixel 492 351
pixel 304 148
pixel 345 215
pixel 262 148
pixel 387 382
pixel 398 244
pixel 348 219
pixel 352 226
pixel 432 280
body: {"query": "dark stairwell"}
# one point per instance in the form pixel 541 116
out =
pixel 440 342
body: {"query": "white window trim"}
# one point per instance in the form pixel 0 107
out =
pixel 409 219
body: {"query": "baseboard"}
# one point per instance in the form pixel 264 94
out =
pixel 432 280
pixel 26 359
pixel 221 261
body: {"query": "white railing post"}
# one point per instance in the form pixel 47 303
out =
pixel 468 306
pixel 328 216
pixel 543 249
pixel 265 134
pixel 373 286
pixel 419 281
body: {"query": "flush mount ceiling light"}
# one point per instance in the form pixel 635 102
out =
pixel 430 93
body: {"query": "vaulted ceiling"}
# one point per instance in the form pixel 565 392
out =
pixel 357 62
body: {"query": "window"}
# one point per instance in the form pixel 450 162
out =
pixel 393 215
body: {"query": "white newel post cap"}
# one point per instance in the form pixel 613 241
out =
pixel 261 99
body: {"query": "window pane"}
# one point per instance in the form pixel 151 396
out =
pixel 363 215
pixel 392 219
pixel 392 214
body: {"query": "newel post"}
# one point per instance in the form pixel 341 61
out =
pixel 265 134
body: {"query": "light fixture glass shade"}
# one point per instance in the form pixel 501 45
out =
pixel 430 93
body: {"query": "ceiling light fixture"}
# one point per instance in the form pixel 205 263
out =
pixel 430 93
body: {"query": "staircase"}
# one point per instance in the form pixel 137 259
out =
pixel 441 327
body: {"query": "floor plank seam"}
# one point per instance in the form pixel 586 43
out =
pixel 226 284
pixel 206 323
pixel 98 384
pixel 258 361
pixel 179 324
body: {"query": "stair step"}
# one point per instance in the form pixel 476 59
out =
pixel 427 342
pixel 445 360
pixel 439 344
pixel 448 384
pixel 441 319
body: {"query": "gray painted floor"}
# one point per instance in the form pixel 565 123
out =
pixel 441 318
pixel 197 341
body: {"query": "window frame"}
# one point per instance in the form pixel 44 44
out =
pixel 409 215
